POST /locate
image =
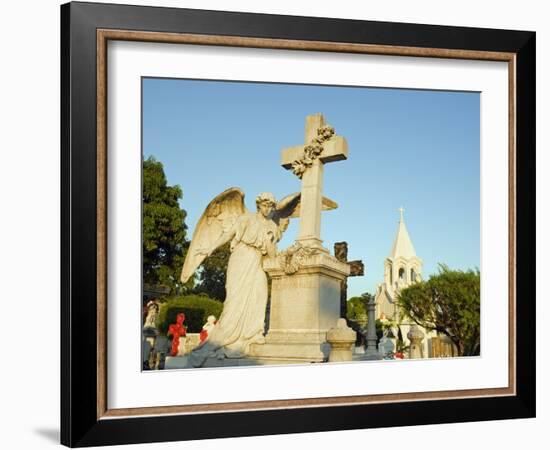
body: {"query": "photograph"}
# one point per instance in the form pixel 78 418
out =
pixel 287 223
pixel 278 224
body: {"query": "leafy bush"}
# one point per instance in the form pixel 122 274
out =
pixel 196 308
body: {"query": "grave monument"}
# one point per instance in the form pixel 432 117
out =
pixel 305 278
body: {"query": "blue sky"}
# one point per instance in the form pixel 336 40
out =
pixel 412 148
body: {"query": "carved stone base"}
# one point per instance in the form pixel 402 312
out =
pixel 292 346
pixel 176 362
pixel 305 304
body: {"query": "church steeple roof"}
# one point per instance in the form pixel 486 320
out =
pixel 402 246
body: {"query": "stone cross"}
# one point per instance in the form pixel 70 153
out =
pixel 307 161
pixel 357 269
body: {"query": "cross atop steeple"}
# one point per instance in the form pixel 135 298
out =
pixel 401 211
pixel 402 246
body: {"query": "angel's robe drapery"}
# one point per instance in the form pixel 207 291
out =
pixel 242 320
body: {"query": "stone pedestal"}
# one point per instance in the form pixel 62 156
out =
pixel 305 304
pixel 416 336
pixel 176 362
pixel 426 342
pixel 341 339
pixel 149 337
pixel 371 352
pixel 188 343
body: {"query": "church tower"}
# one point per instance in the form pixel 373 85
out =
pixel 401 269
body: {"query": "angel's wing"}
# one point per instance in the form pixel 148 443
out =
pixel 218 217
pixel 289 206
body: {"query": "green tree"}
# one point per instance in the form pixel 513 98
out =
pixel 164 229
pixel 449 302
pixel 212 274
pixel 357 306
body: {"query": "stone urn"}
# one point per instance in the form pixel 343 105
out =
pixel 341 340
pixel 415 335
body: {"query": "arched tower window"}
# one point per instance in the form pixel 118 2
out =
pixel 413 275
pixel 390 269
pixel 402 274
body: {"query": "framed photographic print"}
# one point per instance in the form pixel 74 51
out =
pixel 277 224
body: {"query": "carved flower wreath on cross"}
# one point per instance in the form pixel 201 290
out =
pixel 312 150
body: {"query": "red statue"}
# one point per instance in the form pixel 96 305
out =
pixel 177 330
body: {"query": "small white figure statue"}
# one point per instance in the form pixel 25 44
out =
pixel 152 314
pixel 207 327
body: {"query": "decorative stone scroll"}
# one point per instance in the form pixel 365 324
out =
pixel 293 257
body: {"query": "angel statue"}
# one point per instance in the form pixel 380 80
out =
pixel 252 236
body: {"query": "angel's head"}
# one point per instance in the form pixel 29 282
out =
pixel 265 203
